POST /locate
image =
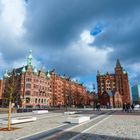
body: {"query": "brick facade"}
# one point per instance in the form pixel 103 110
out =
pixel 113 89
pixel 37 88
pixel 1 85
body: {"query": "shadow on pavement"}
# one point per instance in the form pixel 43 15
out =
pixel 79 136
pixel 88 136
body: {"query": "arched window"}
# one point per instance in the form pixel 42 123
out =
pixel 28 79
pixel 45 101
pixel 28 85
pixel 42 101
pixel 27 100
pixel 38 100
pixel 35 100
pixel 27 92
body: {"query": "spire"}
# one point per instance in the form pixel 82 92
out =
pixel 6 74
pixel 29 60
pixel 48 74
pixel 98 72
pixel 118 63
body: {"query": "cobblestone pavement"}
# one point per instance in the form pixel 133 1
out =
pixel 33 127
pixel 119 126
pixel 44 122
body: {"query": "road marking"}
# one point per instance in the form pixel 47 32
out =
pixel 86 130
pixel 73 127
pixel 39 132
pixel 85 122
pixel 59 133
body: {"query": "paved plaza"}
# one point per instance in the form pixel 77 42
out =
pixel 104 125
pixel 118 126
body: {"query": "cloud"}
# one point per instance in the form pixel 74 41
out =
pixel 56 23
pixel 75 37
pixel 12 45
pixel 12 16
pixel 80 58
pixel 86 37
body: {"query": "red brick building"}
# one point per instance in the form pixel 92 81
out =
pixel 37 88
pixel 1 83
pixel 113 89
pixel 67 92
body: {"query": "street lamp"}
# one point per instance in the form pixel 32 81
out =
pixel 93 94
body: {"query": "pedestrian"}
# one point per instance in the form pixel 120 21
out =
pixel 123 109
pixel 99 107
pixel 132 107
pixel 128 108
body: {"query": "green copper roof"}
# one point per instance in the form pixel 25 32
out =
pixel 29 60
pixel 62 77
pixel 23 69
pixel 124 71
pixel 48 74
pixel 6 74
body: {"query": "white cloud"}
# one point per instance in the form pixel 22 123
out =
pixel 2 62
pixel 81 58
pixel 76 79
pixel 89 56
pixel 89 85
pixel 13 15
pixel 86 37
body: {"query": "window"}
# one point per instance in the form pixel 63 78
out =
pixel 27 92
pixel 35 86
pixel 28 85
pixel 28 79
pixel 39 101
pixel 35 100
pixel 44 100
pixel 27 100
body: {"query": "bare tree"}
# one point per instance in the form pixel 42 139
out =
pixel 10 92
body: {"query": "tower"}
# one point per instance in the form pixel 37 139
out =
pixel 122 83
pixel 119 77
pixel 29 60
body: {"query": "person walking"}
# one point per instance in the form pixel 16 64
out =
pixel 123 109
pixel 132 107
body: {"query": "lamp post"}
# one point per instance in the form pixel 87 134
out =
pixel 93 94
pixel 9 114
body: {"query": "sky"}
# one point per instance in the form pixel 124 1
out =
pixel 74 37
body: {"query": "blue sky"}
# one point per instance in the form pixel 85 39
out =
pixel 77 38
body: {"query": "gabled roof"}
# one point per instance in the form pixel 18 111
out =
pixel 19 70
